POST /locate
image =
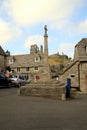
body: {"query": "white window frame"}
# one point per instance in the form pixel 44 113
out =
pixel 37 59
pixel 11 61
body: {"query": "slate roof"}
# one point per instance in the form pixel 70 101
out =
pixel 2 51
pixel 26 60
pixel 82 49
pixel 82 42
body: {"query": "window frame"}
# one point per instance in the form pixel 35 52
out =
pixel 36 68
pixel 27 69
pixel 18 69
pixel 11 61
pixel 37 59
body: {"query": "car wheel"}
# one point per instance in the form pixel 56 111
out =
pixel 9 85
pixel 19 85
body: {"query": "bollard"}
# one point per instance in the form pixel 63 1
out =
pixel 68 86
pixel 63 98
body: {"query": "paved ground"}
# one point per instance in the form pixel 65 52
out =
pixel 31 113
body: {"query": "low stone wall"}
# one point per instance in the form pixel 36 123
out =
pixel 73 93
pixel 47 89
pixel 52 92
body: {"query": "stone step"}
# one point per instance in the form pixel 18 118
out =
pixel 45 84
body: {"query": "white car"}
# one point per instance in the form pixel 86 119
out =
pixel 18 80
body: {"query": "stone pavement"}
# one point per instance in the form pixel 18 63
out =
pixel 35 113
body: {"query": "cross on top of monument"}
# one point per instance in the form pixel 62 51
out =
pixel 45 28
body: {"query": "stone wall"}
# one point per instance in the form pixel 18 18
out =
pixel 80 80
pixel 83 76
pixel 72 70
pixel 2 63
pixel 50 90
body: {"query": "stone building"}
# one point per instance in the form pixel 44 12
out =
pixel 77 71
pixel 34 65
pixel 2 59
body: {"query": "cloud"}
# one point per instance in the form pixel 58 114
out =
pixel 30 12
pixel 35 39
pixel 67 48
pixel 78 28
pixel 7 31
pixel 82 27
pixel 58 14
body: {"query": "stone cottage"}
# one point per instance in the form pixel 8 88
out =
pixel 77 71
pixel 33 66
pixel 2 60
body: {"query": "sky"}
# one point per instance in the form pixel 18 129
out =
pixel 22 25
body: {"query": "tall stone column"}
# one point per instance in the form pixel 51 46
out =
pixel 45 41
pixel 46 64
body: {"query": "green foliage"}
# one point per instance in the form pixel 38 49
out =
pixel 58 62
pixel 58 58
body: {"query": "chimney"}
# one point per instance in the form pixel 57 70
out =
pixel 41 48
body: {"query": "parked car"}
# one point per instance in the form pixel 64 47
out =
pixel 4 81
pixel 17 80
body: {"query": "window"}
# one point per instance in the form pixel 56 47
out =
pixel 26 77
pixel 2 76
pixel 27 68
pixel 18 69
pixel 37 59
pixel 36 68
pixel 72 75
pixel 11 61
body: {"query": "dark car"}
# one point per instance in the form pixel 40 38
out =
pixel 4 81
